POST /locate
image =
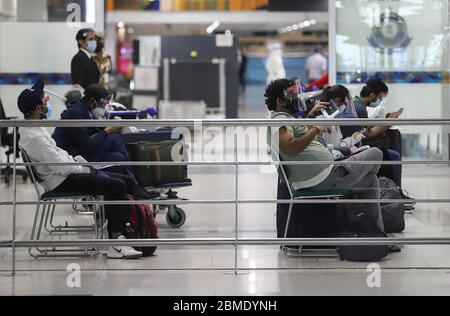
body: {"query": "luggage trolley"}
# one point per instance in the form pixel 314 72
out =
pixel 175 216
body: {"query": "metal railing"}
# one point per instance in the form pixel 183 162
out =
pixel 236 241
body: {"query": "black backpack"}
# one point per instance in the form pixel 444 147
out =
pixel 393 213
pixel 357 222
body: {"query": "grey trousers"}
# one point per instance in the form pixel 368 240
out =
pixel 361 178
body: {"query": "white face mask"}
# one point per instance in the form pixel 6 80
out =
pixel 377 103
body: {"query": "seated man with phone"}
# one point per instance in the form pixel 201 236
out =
pixel 335 102
pixel 372 97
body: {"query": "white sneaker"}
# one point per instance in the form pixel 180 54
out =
pixel 124 252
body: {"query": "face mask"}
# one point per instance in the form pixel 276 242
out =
pixel 376 104
pixel 92 46
pixel 292 106
pixel 47 115
pixel 99 113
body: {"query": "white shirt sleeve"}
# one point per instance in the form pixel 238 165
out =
pixel 43 150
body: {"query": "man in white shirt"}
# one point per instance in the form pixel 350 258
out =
pixel 40 147
pixel 316 65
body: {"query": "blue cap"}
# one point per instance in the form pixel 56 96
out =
pixel 29 99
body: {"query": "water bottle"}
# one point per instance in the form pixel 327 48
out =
pixel 130 232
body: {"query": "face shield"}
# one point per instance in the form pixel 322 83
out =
pixel 309 99
pixel 346 108
pixel 99 112
pixel 294 104
pixel 339 108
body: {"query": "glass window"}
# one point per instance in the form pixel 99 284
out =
pixel 405 44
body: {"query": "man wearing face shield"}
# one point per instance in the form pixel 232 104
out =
pixel 83 68
pixel 299 143
pixel 94 144
pixel 340 106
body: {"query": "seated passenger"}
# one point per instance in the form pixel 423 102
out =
pixel 40 147
pixel 94 144
pixel 299 143
pixel 389 142
pixel 342 107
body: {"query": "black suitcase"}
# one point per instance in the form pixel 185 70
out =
pixel 308 220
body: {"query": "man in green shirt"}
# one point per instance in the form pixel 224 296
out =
pixel 298 143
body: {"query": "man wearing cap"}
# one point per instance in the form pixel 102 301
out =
pixel 37 143
pixel 84 69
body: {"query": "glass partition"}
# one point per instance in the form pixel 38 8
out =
pixel 404 43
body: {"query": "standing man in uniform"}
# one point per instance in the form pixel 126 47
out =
pixel 85 71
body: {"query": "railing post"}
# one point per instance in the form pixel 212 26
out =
pixel 236 226
pixel 13 270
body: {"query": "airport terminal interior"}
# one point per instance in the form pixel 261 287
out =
pixel 202 70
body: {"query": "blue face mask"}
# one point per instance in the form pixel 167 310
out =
pixel 92 46
pixel 49 113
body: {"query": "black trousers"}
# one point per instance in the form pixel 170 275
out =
pixel 113 187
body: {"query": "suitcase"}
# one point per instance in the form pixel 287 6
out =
pixel 308 220
pixel 152 176
pixel 158 135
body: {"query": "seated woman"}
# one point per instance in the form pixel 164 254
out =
pixel 40 147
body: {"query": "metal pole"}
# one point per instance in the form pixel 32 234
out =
pixel 14 205
pixel 229 242
pixel 224 123
pixel 236 226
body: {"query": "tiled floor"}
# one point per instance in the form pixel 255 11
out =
pixel 200 270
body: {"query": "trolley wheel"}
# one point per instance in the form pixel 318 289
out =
pixel 176 217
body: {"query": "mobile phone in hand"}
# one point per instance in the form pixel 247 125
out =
pixel 400 111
